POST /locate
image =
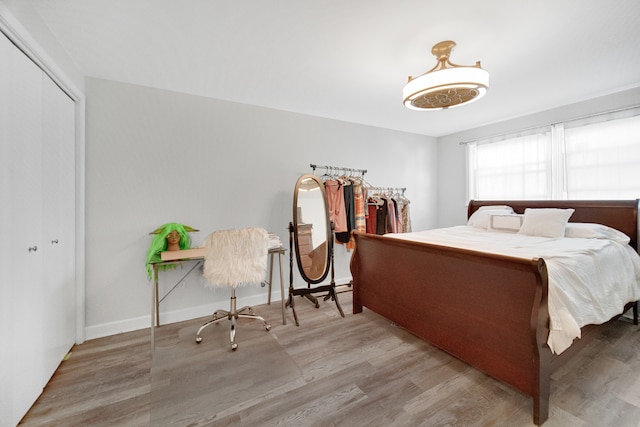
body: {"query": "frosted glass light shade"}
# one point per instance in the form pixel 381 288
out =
pixel 446 88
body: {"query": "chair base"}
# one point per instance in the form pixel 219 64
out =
pixel 233 314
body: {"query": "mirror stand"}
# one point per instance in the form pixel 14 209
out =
pixel 309 291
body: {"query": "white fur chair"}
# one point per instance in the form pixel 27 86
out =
pixel 235 258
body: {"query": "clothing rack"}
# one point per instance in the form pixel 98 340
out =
pixel 338 169
pixel 390 214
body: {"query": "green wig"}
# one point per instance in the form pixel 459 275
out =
pixel 159 243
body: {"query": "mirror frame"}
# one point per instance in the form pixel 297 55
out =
pixel 329 229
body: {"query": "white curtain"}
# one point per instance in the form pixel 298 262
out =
pixel 603 159
pixel 591 158
pixel 518 167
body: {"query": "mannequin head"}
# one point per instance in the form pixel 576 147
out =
pixel 173 241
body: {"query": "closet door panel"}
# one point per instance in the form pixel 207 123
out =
pixel 59 226
pixel 6 293
pixel 23 229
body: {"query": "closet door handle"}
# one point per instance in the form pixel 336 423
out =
pixel 53 242
pixel 33 248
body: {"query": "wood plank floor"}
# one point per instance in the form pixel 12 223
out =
pixel 330 371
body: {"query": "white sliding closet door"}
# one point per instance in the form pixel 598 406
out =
pixel 58 244
pixel 22 228
pixel 37 229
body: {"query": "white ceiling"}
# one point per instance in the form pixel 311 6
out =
pixel 349 59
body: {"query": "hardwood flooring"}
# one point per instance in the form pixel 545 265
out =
pixel 331 371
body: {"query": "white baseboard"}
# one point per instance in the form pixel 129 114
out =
pixel 143 322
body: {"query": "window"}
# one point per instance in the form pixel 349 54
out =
pixel 517 167
pixel 604 159
pixel 593 158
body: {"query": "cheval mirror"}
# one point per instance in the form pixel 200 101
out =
pixel 311 233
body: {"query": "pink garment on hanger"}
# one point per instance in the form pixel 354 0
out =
pixel 337 211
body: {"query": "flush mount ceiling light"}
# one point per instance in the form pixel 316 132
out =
pixel 446 85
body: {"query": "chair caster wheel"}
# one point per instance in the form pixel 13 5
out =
pixel 198 340
pixel 234 346
pixel 267 327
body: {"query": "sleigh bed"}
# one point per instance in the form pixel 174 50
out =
pixel 488 310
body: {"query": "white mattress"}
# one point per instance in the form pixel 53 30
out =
pixel 590 280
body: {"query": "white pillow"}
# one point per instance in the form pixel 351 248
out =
pixel 510 223
pixel 595 231
pixel 480 218
pixel 545 222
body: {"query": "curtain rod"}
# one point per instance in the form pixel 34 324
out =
pixel 631 107
pixel 337 168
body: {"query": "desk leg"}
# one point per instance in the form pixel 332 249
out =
pixel 270 277
pixel 157 304
pixel 284 321
pixel 154 305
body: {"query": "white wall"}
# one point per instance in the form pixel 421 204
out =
pixel 155 156
pixel 452 179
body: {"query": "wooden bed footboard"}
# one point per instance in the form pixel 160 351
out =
pixel 487 310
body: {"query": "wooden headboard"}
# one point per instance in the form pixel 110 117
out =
pixel 619 214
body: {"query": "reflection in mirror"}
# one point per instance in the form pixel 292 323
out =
pixel 312 233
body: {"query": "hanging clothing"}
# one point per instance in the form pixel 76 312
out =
pixel 345 236
pixel 359 209
pixel 372 217
pixel 392 226
pixel 381 217
pixel 403 215
pixel 389 206
pixel 359 197
pixel 335 200
pixel 406 216
pixel 399 224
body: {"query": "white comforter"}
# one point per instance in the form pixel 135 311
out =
pixel 590 280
